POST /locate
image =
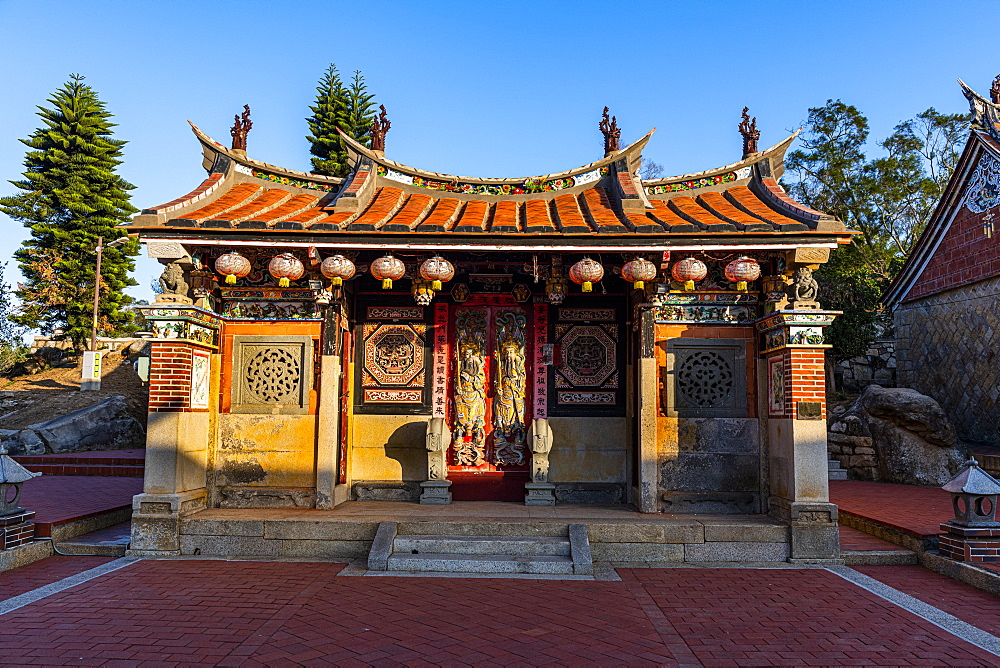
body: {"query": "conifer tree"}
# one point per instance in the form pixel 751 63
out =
pixel 72 196
pixel 351 108
pixel 360 111
pixel 330 157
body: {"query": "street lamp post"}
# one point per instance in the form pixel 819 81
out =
pixel 91 379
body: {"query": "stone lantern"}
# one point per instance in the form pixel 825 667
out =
pixel 974 534
pixel 15 526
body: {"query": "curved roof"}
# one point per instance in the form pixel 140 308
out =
pixel 382 198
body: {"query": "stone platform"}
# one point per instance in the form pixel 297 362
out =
pixel 617 534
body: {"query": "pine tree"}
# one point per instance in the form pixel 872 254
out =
pixel 72 196
pixel 330 157
pixel 360 111
pixel 351 108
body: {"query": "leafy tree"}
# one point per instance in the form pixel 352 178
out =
pixel 12 348
pixel 888 199
pixel 72 196
pixel 351 108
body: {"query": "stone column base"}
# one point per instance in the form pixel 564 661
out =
pixel 539 494
pixel 436 492
pixel 156 521
pixel 815 534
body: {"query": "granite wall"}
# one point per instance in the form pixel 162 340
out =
pixel 948 347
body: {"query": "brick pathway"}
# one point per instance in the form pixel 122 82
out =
pixel 852 539
pixel 911 508
pixel 284 614
pixel 969 604
pixel 46 571
pixel 61 499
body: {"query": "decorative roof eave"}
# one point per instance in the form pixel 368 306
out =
pixel 985 114
pixel 212 148
pixel 940 220
pixel 775 153
pixel 632 152
pixel 511 243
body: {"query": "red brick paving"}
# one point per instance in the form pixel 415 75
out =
pixel 852 539
pixel 275 614
pixel 61 499
pixel 910 508
pixel 40 573
pixel 969 604
pixel 801 617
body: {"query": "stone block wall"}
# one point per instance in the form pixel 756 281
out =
pixel 876 367
pixel 948 347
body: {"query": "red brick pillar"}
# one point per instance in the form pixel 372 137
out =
pixel 170 377
pixel 183 395
pixel 793 380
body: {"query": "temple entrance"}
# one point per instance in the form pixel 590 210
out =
pixel 490 457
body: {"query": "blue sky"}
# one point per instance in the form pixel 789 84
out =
pixel 480 88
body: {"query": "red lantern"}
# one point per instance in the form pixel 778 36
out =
pixel 337 268
pixel 286 268
pixel 742 271
pixel 388 269
pixel 437 270
pixel 232 266
pixel 586 272
pixel 689 270
pixel 638 271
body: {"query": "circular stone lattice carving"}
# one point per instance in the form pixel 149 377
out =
pixel 705 379
pixel 273 376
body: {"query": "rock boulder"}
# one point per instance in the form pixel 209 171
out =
pixel 106 425
pixel 896 435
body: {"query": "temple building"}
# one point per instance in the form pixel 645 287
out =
pixel 582 337
pixel 944 300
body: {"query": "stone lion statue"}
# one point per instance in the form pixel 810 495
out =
pixel 172 280
pixel 804 287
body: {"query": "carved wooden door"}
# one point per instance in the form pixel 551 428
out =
pixel 489 458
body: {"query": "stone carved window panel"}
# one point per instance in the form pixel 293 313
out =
pixel 272 374
pixel 704 378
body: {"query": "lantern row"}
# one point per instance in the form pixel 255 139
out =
pixel 436 271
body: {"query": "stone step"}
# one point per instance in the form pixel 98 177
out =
pixel 879 557
pixel 108 542
pixel 510 545
pixel 480 563
pixel 86 469
pixel 836 472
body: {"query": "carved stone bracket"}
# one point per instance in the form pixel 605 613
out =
pixel 540 492
pixel 436 489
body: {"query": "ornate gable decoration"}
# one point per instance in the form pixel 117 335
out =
pixel 983 191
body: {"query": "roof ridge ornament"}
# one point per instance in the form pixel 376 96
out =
pixel 611 132
pixel 751 135
pixel 380 127
pixel 995 90
pixel 241 128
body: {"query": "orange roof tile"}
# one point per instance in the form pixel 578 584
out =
pixel 666 214
pixel 442 215
pixel 473 217
pixel 597 204
pixel 536 213
pixel 270 198
pixel 383 205
pixel 744 198
pixel 411 211
pixel 505 215
pixel 233 198
pixel 293 206
pixel 570 216
pixel 717 203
